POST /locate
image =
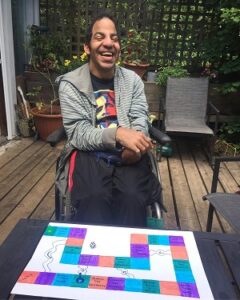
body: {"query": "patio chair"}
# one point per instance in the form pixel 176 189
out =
pixel 187 109
pixel 227 204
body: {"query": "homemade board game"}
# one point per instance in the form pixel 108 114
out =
pixel 105 263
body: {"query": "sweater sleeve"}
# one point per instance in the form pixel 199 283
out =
pixel 79 121
pixel 138 113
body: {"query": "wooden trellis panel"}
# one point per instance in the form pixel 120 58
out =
pixel 175 28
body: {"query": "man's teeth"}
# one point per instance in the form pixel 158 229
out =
pixel 107 54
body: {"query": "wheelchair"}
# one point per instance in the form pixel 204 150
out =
pixel 63 208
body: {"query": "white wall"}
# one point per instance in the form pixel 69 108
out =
pixel 8 66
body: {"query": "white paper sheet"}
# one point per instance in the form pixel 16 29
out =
pixel 106 263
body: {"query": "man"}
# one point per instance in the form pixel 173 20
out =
pixel 105 117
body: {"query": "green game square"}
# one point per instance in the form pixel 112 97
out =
pixel 122 262
pixel 151 286
pixel 83 284
pixel 50 230
pixel 72 249
pixel 181 265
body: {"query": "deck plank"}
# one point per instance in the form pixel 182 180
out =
pixel 196 185
pixel 27 173
pixel 170 219
pixel 23 159
pixel 29 203
pixel 188 218
pixel 10 151
pixel 45 209
pixel 24 184
pixel 22 171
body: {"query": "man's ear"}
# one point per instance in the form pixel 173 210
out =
pixel 86 49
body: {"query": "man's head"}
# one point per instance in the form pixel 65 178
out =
pixel 102 45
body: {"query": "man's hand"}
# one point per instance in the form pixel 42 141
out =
pixel 130 157
pixel 133 140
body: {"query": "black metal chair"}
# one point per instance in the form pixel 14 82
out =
pixel 63 207
pixel 227 204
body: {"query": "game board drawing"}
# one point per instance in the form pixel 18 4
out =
pixel 105 263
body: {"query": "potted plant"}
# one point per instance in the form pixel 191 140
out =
pixel 46 63
pixel 176 71
pixel 135 52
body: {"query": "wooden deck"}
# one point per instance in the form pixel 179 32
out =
pixel 27 171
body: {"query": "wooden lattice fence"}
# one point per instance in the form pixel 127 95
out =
pixel 176 29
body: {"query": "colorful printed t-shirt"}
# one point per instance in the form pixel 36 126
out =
pixel 106 113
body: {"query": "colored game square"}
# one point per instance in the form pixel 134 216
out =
pixel 50 230
pixel 176 240
pixel 133 285
pixel 184 276
pixel 139 238
pixel 158 240
pixel 69 259
pixel 79 233
pixel 63 279
pixel 151 286
pixel 139 250
pixel 45 278
pixel 188 290
pixel 140 263
pixel 62 231
pixel 181 265
pixel 179 252
pixel 74 242
pixel 115 283
pixel 83 283
pixel 122 262
pixel 28 277
pixel 169 288
pixel 88 260
pixel 98 282
pixel 106 261
pixel 72 250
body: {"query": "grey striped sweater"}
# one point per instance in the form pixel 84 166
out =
pixel 78 106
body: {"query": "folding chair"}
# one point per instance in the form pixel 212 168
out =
pixel 227 204
pixel 187 108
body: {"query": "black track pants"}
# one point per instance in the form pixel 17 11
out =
pixel 107 194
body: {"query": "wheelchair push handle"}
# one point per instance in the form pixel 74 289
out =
pixel 159 136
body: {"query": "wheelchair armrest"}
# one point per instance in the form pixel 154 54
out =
pixel 159 136
pixel 56 136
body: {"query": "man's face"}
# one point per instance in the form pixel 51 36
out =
pixel 104 49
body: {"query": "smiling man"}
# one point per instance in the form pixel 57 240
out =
pixel 105 116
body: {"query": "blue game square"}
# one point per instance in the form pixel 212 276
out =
pixel 63 279
pixel 140 263
pixel 184 276
pixel 133 285
pixel 69 258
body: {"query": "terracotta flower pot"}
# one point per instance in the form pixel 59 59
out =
pixel 140 69
pixel 47 122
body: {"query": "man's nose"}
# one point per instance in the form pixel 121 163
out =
pixel 108 42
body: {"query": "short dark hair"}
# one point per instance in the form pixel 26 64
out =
pixel 103 14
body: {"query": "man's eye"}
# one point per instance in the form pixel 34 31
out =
pixel 98 36
pixel 115 38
